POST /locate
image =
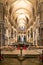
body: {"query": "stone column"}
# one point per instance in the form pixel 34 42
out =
pixel 16 36
pixel 27 36
pixel 33 38
pixel 36 36
pixel 7 36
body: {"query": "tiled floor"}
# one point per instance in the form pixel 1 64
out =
pixel 13 61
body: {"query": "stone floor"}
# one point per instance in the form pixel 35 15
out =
pixel 28 61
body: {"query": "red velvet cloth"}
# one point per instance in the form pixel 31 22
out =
pixel 1 57
pixel 18 48
pixel 24 48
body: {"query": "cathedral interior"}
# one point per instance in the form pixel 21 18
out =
pixel 21 32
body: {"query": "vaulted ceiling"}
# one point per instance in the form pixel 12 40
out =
pixel 21 13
